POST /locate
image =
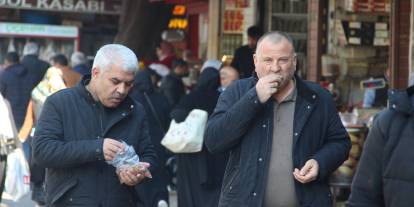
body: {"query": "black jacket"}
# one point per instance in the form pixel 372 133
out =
pixel 242 125
pixel 16 86
pixel 36 68
pixel 243 61
pixel 385 174
pixel 173 88
pixel 199 175
pixel 68 141
pixel 155 189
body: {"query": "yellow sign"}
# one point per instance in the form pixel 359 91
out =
pixel 178 23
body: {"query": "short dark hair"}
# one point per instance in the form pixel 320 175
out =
pixel 12 57
pixel 60 59
pixel 254 32
pixel 179 62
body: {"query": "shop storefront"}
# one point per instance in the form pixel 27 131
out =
pixel 94 21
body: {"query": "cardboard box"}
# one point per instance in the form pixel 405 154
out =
pixel 379 41
pixel 382 33
pixel 381 26
pixel 354 40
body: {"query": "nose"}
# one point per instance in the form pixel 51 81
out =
pixel 275 67
pixel 122 89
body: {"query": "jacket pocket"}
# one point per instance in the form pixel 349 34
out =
pixel 59 192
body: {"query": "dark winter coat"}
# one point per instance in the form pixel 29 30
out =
pixel 82 69
pixel 244 127
pixel 173 88
pixel 385 174
pixel 243 61
pixel 16 86
pixel 199 175
pixel 36 68
pixel 151 192
pixel 68 141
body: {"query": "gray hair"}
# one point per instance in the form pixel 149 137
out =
pixel 31 48
pixel 111 54
pixel 78 58
pixel 276 37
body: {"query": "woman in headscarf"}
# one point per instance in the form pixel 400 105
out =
pixel 199 175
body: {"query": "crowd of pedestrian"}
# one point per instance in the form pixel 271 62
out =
pixel 271 138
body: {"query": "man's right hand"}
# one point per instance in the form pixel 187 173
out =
pixel 111 147
pixel 267 86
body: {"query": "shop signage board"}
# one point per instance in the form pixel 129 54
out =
pixel 80 6
pixel 179 18
pixel 39 30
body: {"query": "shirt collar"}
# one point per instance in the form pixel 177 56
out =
pixel 293 94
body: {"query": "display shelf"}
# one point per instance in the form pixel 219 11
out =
pixel 291 15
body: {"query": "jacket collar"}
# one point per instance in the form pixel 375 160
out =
pixel 400 100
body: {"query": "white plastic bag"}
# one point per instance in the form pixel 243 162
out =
pixel 17 182
pixel 187 136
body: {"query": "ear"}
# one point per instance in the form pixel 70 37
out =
pixel 295 61
pixel 255 59
pixel 95 72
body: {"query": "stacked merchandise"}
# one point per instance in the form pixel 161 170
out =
pixel 367 5
pixel 359 33
pixel 382 37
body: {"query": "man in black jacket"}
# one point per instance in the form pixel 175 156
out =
pixel 172 85
pixel 284 134
pixel 81 128
pixel 385 174
pixel 36 67
pixel 243 56
pixel 15 86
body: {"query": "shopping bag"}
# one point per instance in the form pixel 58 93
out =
pixel 187 136
pixel 17 182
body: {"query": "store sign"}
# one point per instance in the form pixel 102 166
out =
pixel 83 6
pixel 15 29
pixel 179 18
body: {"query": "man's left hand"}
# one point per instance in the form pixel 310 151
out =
pixel 130 176
pixel 308 173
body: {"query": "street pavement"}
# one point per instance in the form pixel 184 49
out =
pixel 27 202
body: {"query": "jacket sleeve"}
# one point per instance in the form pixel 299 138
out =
pixel 52 151
pixel 366 190
pixel 231 119
pixel 336 143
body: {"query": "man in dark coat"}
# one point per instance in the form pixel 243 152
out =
pixel 284 134
pixel 81 128
pixel 36 67
pixel 243 56
pixel 172 85
pixel 156 106
pixel 16 86
pixel 200 174
pixel 385 174
pixel 80 63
